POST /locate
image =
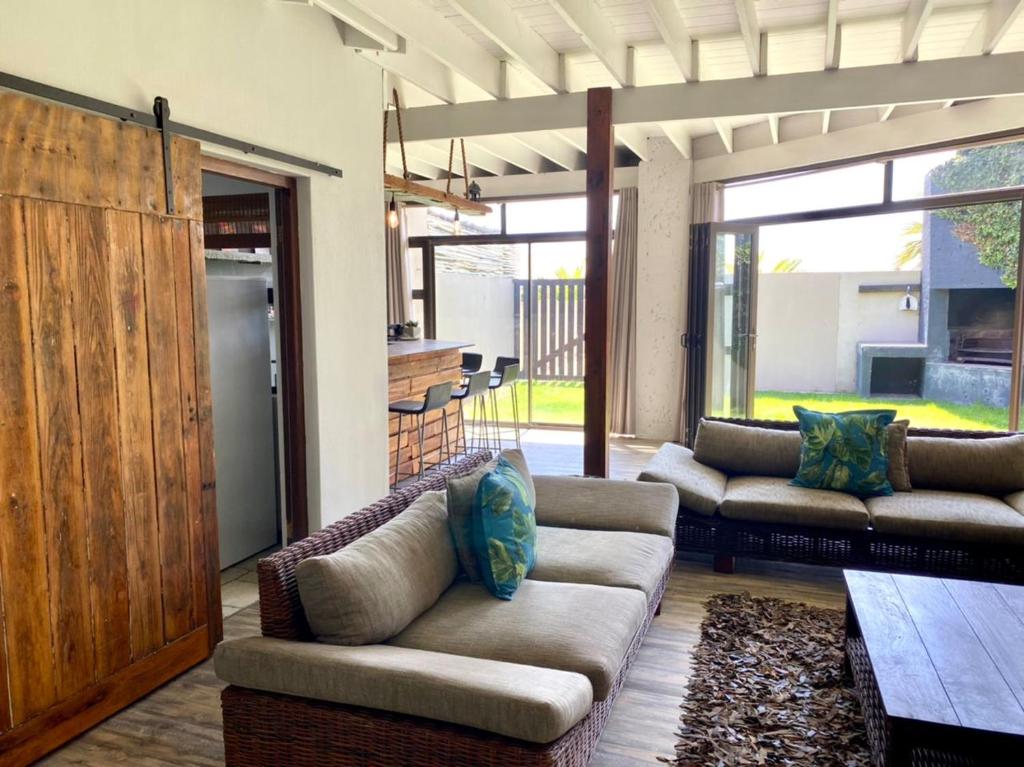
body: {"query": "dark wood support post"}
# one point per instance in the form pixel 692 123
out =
pixel 600 148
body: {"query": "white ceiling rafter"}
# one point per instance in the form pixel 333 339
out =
pixel 884 113
pixel 552 146
pixel 361 21
pixel 598 35
pixel 918 13
pixel 669 23
pixel 505 148
pixel 773 128
pixel 508 31
pixel 833 32
pixel 419 68
pixel 999 16
pixel 750 31
pixel 725 133
pixel 826 119
pixel 634 138
pixel 681 140
pixel 872 86
pixel 415 165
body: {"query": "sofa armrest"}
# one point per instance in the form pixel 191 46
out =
pixel 524 702
pixel 701 488
pixel 606 504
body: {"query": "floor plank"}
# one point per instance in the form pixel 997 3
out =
pixel 180 723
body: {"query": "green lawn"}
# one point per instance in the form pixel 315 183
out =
pixel 561 402
pixel 778 405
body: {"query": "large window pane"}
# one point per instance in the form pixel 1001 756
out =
pixel 441 221
pixel 972 169
pixel 927 330
pixel 814 190
pixel 568 214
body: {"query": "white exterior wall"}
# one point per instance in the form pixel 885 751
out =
pixel 276 74
pixel 663 247
pixel 477 309
pixel 809 325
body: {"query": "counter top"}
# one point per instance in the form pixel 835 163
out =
pixel 423 346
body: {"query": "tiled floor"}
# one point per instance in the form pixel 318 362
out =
pixel 238 587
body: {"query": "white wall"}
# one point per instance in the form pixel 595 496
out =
pixel 809 325
pixel 274 73
pixel 478 309
pixel 663 246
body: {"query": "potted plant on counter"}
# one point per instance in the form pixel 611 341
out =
pixel 411 330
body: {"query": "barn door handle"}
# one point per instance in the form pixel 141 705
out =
pixel 162 111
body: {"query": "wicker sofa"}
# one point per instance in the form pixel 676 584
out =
pixel 963 517
pixel 525 682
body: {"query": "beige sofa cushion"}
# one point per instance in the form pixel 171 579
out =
pixel 992 466
pixel 607 504
pixel 602 558
pixel 700 487
pixel 949 515
pixel 374 587
pixel 524 702
pixel 899 461
pixel 751 450
pixel 566 626
pixel 773 499
pixel 1016 500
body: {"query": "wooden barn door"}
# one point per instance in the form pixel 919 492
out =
pixel 109 581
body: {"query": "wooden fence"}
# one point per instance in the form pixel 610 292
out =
pixel 553 337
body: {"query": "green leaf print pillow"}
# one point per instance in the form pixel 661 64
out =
pixel 847 452
pixel 504 532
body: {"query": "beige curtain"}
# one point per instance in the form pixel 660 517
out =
pixel 397 268
pixel 706 207
pixel 622 354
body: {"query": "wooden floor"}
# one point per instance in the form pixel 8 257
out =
pixel 180 723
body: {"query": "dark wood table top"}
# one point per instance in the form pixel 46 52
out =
pixel 944 651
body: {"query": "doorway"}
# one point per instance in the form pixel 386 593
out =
pixel 255 341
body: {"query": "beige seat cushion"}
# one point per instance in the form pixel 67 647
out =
pixel 602 558
pixel 1016 500
pixel 565 626
pixel 992 466
pixel 949 515
pixel 773 499
pixel 376 586
pixel 607 504
pixel 700 487
pixel 525 702
pixel 741 450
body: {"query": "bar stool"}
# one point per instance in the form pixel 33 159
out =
pixel 471 363
pixel 507 374
pixel 436 398
pixel 476 388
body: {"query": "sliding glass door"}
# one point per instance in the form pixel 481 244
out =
pixel 731 322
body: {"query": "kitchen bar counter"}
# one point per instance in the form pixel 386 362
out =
pixel 412 367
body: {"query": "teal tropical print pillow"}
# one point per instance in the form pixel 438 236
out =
pixel 847 452
pixel 504 534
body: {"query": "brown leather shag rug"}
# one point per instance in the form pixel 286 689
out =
pixel 768 687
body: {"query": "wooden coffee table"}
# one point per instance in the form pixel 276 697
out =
pixel 939 668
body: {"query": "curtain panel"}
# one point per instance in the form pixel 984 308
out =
pixel 399 295
pixel 622 392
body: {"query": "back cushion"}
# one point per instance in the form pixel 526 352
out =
pixel 373 588
pixel 737 449
pixel 993 466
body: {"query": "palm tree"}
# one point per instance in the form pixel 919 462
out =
pixel 910 255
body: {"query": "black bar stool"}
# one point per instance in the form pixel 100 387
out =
pixel 436 398
pixel 471 363
pixel 505 373
pixel 476 388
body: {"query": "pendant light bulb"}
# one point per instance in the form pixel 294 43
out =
pixel 392 213
pixel 457 226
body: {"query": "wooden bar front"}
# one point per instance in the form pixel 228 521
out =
pixel 412 367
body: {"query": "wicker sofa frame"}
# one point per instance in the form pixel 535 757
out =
pixel 867 549
pixel 263 729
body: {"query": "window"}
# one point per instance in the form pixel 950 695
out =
pixel 814 190
pixel 971 169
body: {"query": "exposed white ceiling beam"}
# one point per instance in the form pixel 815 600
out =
pixel 826 118
pixel 506 29
pixel 967 121
pixel 750 31
pixel 773 128
pixel 553 147
pixel 507 149
pixel 913 25
pixel 999 16
pixel 597 34
pixel 361 21
pixel 884 113
pixel 419 68
pixel 416 166
pixel 634 138
pixel 832 39
pixel 725 133
pixel 443 40
pixel 437 154
pixel 959 78
pixel 681 140
pixel 673 31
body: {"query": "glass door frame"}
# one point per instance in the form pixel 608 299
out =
pixel 428 293
pixel 752 231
